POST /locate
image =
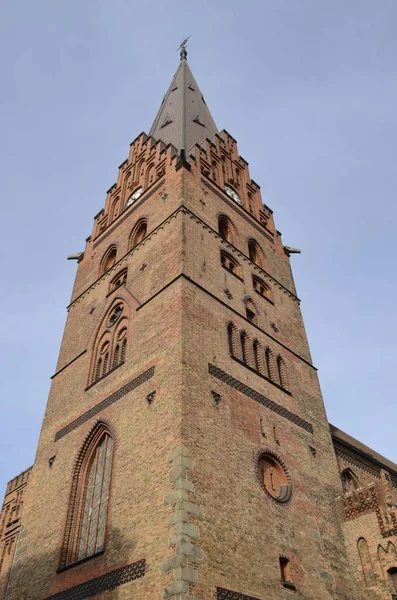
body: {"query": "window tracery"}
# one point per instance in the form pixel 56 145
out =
pixel 85 530
pixel 111 345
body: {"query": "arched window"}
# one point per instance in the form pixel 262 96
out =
pixel 226 229
pixel 255 253
pixel 245 348
pixel 349 480
pixel 115 211
pixel 138 233
pixel 111 345
pixel 230 264
pixel 118 281
pixel 366 563
pixel 232 336
pixel 282 376
pixel 250 312
pixel 85 529
pixel 269 359
pixel 262 288
pixel 258 356
pixel 108 259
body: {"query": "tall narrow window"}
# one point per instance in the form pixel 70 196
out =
pixel 269 363
pixel 92 530
pixel 243 339
pixel 258 356
pixel 85 530
pixel 285 572
pixel 282 376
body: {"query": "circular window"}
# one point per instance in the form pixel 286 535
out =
pixel 274 477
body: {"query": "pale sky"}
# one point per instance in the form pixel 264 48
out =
pixel 308 88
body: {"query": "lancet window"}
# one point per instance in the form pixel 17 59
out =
pixel 86 521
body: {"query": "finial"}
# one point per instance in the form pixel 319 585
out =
pixel 182 48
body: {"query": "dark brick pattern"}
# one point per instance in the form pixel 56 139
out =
pixel 241 387
pixel 104 583
pixel 222 594
pixel 128 387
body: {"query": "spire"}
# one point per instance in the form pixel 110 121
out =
pixel 183 119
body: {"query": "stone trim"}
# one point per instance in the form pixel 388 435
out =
pixel 104 583
pixel 247 391
pixel 128 387
pixel 183 563
pixel 223 594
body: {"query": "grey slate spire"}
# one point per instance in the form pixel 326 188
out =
pixel 183 118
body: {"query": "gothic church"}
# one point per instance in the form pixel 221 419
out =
pixel 185 452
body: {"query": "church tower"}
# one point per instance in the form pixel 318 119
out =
pixel 185 452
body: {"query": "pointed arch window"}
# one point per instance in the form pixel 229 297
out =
pixel 111 345
pixel 138 233
pixel 226 229
pixel 269 359
pixel 258 357
pixel 232 336
pixel 349 480
pixel 255 253
pixel 108 259
pixel 86 522
pixel 281 370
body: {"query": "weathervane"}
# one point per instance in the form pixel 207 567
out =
pixel 182 48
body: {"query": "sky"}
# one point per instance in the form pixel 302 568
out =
pixel 308 88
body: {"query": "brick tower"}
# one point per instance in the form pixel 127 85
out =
pixel 185 451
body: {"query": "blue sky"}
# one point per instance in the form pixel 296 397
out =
pixel 308 88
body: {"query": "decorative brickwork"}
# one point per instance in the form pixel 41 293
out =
pixel 365 500
pixel 102 584
pixel 244 389
pixel 222 594
pixel 134 383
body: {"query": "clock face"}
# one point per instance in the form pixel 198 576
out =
pixel 230 192
pixel 134 196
